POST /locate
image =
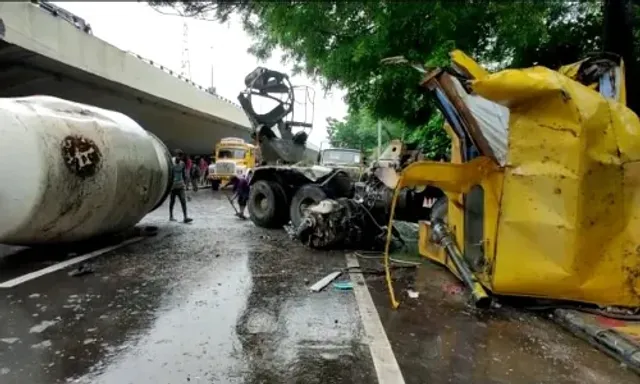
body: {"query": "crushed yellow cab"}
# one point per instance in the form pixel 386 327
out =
pixel 543 187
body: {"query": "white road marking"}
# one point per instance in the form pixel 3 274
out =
pixel 56 267
pixel 384 360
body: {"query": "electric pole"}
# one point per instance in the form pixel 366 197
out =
pixel 185 67
pixel 212 88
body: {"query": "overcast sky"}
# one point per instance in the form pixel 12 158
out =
pixel 138 28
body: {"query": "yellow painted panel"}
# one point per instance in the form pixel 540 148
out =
pixel 565 227
pixel 462 60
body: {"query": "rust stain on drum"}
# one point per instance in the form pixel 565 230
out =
pixel 81 155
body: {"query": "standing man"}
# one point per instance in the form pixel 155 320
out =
pixel 179 186
pixel 203 170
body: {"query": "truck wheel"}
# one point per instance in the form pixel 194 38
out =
pixel 215 185
pixel 305 196
pixel 341 185
pixel 267 204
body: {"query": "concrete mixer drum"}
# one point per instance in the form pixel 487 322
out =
pixel 73 171
pixel 283 130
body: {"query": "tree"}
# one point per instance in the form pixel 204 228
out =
pixel 342 43
pixel 359 130
pixel 618 36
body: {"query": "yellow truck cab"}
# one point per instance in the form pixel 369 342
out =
pixel 233 156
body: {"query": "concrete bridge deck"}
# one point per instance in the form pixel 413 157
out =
pixel 43 52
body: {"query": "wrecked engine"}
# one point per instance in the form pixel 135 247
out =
pixel 361 222
pixel 341 223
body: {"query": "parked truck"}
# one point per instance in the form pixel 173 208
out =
pixel 347 159
pixel 284 184
pixel 233 157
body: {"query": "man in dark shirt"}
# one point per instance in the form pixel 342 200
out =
pixel 241 192
pixel 178 187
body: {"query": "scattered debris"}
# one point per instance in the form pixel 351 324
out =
pixel 34 295
pixel 343 285
pixel 453 288
pixel 83 269
pixel 42 326
pixel 319 286
pixel 412 294
pixel 360 222
pixel 42 345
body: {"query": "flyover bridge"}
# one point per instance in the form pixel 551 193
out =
pixel 45 50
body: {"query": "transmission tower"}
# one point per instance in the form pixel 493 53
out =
pixel 185 67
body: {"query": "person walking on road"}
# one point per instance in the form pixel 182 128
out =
pixel 179 187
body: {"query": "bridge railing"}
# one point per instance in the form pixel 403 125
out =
pixel 82 25
pixel 56 11
pixel 211 91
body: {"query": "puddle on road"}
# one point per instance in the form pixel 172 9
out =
pixel 290 334
pixel 192 336
pixel 183 342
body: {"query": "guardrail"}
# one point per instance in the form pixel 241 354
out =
pixel 69 17
pixel 179 76
pixel 82 25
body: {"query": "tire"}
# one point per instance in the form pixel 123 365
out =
pixel 307 195
pixel 215 185
pixel 341 185
pixel 267 204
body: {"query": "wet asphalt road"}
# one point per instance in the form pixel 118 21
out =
pixel 220 301
pixel 215 301
pixel 439 338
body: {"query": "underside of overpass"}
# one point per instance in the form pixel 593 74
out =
pixel 26 73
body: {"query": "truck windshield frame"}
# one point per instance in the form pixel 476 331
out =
pixel 338 156
pixel 231 153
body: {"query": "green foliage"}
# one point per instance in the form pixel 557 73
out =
pixel 432 138
pixel 342 43
pixel 360 131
